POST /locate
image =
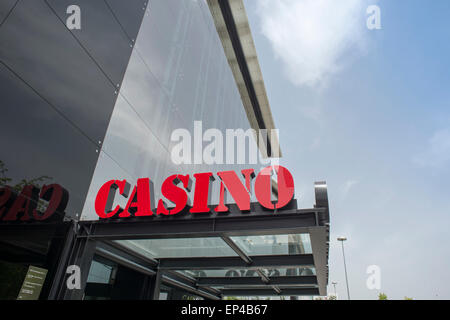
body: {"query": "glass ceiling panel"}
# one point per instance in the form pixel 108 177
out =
pixel 179 248
pixel 274 244
pixel 301 271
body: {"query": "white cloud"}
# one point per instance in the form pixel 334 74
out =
pixel 349 184
pixel 313 38
pixel 437 152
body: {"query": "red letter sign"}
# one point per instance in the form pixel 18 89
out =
pixel 140 201
pixel 105 198
pixel 201 194
pixel 172 192
pixel 263 187
pixel 235 187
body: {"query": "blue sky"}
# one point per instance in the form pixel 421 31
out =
pixel 369 112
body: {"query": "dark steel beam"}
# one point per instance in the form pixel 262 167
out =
pixel 128 254
pixel 271 292
pixel 237 249
pixel 321 195
pixel 202 293
pixel 125 262
pixel 176 275
pixel 240 57
pixel 60 272
pixel 156 286
pixel 180 277
pixel 277 290
pixel 263 276
pixel 291 222
pixel 273 261
pixel 257 281
pixel 81 255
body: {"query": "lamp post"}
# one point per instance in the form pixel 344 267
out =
pixel 334 285
pixel 342 239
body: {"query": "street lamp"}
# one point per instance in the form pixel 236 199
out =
pixel 342 239
pixel 334 285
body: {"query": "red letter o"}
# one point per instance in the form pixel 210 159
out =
pixel 263 189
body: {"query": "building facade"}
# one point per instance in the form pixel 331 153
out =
pixel 99 101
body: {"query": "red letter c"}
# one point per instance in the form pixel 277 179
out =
pixel 105 198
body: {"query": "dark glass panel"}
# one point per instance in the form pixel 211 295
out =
pixel 129 13
pixel 37 142
pixel 5 8
pixel 39 48
pixel 100 34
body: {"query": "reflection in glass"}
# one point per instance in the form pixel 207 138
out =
pixel 272 272
pixel 275 244
pixel 178 73
pixel 100 272
pixel 171 248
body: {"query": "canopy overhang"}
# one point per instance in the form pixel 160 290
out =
pixel 104 238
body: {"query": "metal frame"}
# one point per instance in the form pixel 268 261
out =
pixel 290 220
pixel 290 281
pixel 243 66
pixel 218 263
pixel 270 292
pixel 88 238
pixel 233 28
pixel 259 221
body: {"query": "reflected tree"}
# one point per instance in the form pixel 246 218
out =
pixel 4 180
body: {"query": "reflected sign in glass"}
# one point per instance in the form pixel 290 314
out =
pixel 32 284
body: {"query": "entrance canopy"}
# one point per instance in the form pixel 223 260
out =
pixel 259 253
